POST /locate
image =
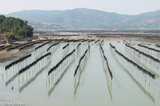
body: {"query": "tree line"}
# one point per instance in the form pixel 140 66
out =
pixel 15 28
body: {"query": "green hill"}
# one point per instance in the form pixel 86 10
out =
pixel 15 28
pixel 82 18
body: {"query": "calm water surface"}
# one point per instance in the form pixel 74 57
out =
pixel 91 86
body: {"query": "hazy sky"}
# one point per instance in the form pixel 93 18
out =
pixel 119 6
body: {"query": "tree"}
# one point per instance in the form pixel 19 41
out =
pixel 11 36
pixel 28 31
pixel 15 28
pixel 2 17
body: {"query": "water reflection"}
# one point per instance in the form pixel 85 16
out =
pixel 151 64
pixel 79 73
pixel 108 76
pixel 51 80
pixel 57 75
pixel 31 79
pixel 146 83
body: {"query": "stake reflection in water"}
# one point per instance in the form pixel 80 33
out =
pixel 147 84
pixel 29 68
pixel 79 70
pixel 145 62
pixel 57 72
pixel 57 78
pixel 107 72
pixel 45 63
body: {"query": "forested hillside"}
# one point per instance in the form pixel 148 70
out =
pixel 15 28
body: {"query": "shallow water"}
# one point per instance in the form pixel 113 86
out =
pixel 91 86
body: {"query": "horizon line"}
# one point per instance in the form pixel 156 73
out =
pixel 78 8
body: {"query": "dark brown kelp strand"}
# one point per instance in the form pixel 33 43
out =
pixel 42 45
pixel 148 48
pixel 151 57
pixel 5 47
pixel 33 63
pixel 80 62
pixel 66 46
pixel 102 41
pixel 112 46
pixel 97 41
pixel 17 61
pixel 15 47
pixel 28 45
pixel 157 45
pixel 133 63
pixel 22 46
pixel 72 40
pixel 53 45
pixel 110 72
pixel 1 46
pixel 90 41
pixel 60 62
pixel 78 45
pixel 84 40
pixel 139 67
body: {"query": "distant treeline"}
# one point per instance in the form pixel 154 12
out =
pixel 15 28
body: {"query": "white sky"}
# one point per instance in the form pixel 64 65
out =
pixel 119 6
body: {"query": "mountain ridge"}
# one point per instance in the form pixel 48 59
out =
pixel 82 18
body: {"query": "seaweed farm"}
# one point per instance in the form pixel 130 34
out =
pixel 82 73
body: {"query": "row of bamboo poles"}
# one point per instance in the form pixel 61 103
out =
pixel 133 63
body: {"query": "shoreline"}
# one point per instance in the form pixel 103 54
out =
pixel 69 37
